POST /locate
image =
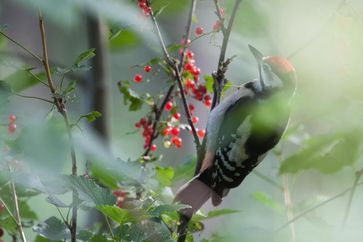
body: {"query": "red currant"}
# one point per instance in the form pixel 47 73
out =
pixel 176 116
pixel 168 106
pixel 11 128
pixel 11 118
pixel 199 30
pixel 147 68
pixel 201 133
pixel 152 147
pixel 137 78
pixel 195 119
pixel 175 131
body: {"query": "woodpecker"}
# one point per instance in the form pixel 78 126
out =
pixel 240 132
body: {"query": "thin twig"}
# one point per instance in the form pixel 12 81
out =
pixel 58 102
pixel 358 175
pixel 221 19
pixel 22 46
pixel 268 180
pixel 109 227
pixel 159 111
pixel 8 210
pixel 288 205
pixel 16 207
pixel 32 97
pixel 302 214
pixel 219 78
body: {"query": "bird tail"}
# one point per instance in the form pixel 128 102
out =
pixel 194 193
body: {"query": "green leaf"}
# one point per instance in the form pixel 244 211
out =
pixel 8 224
pixel 53 229
pixel 185 170
pixel 70 88
pixel 26 212
pixel 42 239
pixel 123 39
pixel 5 92
pixel 119 215
pixel 164 175
pixel 209 83
pixel 22 79
pixel 325 153
pixel 84 56
pixel 90 192
pixel 166 209
pixel 267 201
pixel 226 86
pixel 91 116
pixel 221 212
pixel 174 47
pixel 56 202
pixel 130 96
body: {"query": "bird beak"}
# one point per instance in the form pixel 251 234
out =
pixel 258 55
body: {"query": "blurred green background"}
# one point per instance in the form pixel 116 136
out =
pixel 324 41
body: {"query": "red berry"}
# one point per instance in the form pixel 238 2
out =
pixel 189 67
pixel 221 11
pixel 195 119
pixel 191 107
pixel 201 133
pixel 138 125
pixel 153 147
pixel 177 142
pixel 11 128
pixel 147 68
pixel 189 84
pixel 176 116
pixel 198 30
pixel 166 131
pixel 185 42
pixel 11 118
pixel 168 106
pixel 190 54
pixel 207 102
pixel 175 131
pixel 137 78
pixel 217 25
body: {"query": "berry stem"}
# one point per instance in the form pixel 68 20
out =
pixel 159 111
pixel 173 65
pixel 62 110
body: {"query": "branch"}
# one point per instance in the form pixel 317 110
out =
pixel 221 19
pixel 219 76
pixel 317 206
pixel 172 64
pixel 22 47
pixel 16 207
pixel 358 175
pixel 32 97
pixel 58 102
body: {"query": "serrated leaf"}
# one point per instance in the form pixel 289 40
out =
pixel 130 96
pixel 53 229
pixel 209 83
pixel 70 88
pixel 22 79
pixel 56 202
pixel 325 153
pixel 84 56
pixel 164 175
pixel 92 116
pixel 90 192
pixel 119 215
pixel 5 92
pixel 267 201
pixel 166 209
pixel 123 39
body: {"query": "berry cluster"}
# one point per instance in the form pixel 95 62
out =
pixel 144 7
pixel 191 73
pixel 138 77
pixel 120 198
pixel 147 128
pixel 11 123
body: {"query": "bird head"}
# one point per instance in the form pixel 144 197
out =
pixel 275 72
